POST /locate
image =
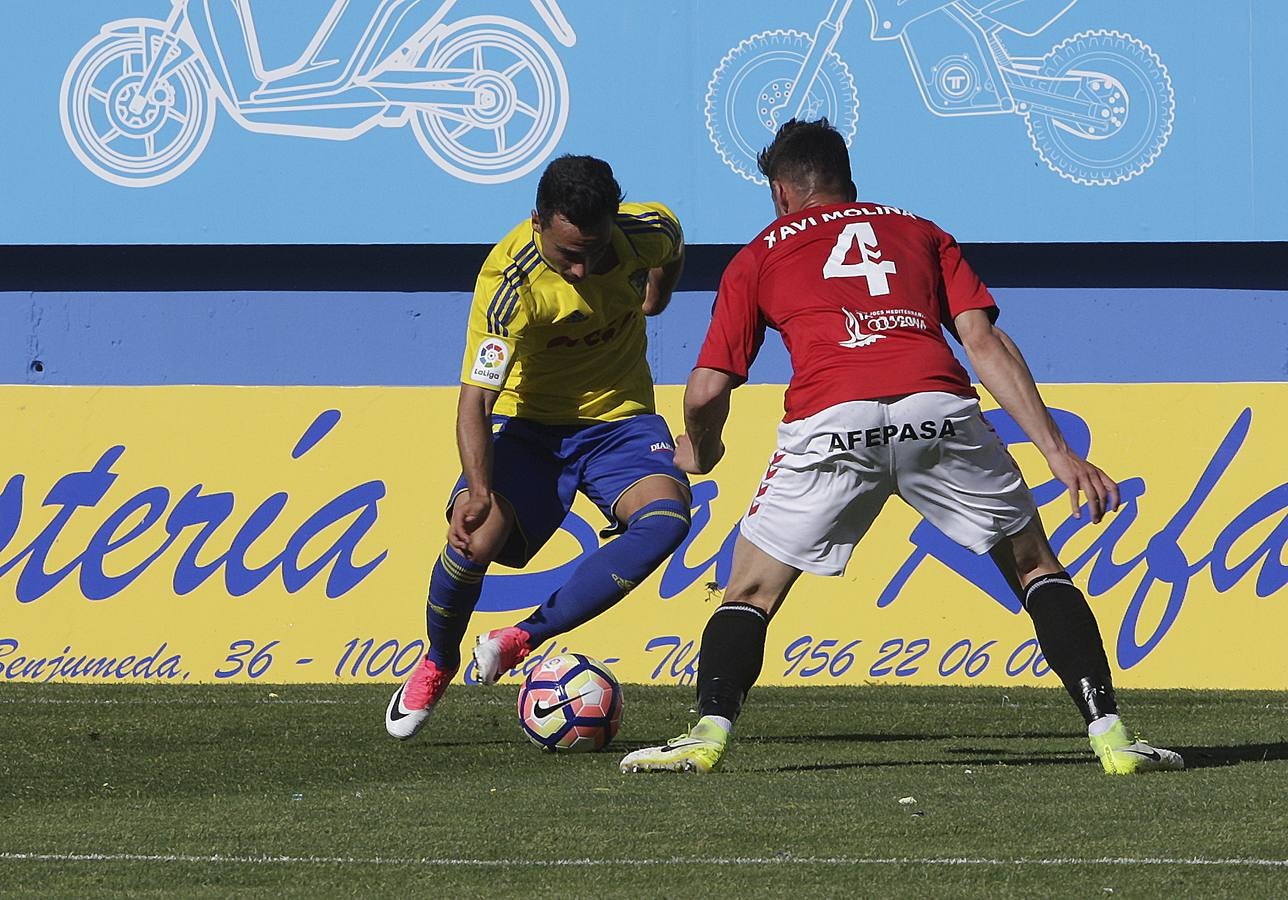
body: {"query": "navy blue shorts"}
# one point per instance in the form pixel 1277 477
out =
pixel 540 468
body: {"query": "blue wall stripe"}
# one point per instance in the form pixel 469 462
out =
pixel 372 338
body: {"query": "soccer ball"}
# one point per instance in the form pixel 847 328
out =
pixel 570 702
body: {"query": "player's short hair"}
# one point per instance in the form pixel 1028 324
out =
pixel 809 155
pixel 582 189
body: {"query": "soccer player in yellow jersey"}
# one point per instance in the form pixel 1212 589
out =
pixel 556 397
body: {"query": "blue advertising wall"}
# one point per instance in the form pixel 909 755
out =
pixel 428 121
pixel 298 205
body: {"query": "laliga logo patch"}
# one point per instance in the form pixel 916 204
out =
pixel 490 363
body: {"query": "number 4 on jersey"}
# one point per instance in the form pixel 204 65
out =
pixel 873 268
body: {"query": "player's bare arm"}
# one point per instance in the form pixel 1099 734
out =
pixel 706 409
pixel 661 283
pixel 474 444
pixel 1003 371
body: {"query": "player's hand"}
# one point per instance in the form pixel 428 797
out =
pixel 467 515
pixel 1083 478
pixel 685 460
pixel 686 457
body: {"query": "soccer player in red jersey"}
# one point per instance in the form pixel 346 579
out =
pixel 877 405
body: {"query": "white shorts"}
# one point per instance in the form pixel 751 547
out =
pixel 832 473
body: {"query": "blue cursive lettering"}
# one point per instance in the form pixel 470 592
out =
pixel 134 520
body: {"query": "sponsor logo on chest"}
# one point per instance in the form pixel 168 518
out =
pixel 593 338
pixel 866 328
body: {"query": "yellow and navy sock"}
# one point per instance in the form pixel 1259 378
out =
pixel 612 571
pixel 454 589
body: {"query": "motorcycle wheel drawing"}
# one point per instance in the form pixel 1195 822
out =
pixel 521 107
pixel 1133 82
pixel 487 98
pixel 125 138
pixel 755 77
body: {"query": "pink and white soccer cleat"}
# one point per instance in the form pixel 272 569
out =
pixel 413 702
pixel 500 651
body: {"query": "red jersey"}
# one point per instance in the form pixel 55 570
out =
pixel 860 293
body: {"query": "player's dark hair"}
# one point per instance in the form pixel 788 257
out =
pixel 582 189
pixel 811 156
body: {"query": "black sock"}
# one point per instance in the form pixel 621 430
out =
pixel 733 648
pixel 1070 641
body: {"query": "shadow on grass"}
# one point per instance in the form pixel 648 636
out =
pixel 950 755
pixel 1003 760
pixel 885 738
pixel 1232 754
pixel 853 738
pixel 1195 758
pixel 798 739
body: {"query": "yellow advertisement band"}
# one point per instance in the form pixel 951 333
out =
pixel 287 535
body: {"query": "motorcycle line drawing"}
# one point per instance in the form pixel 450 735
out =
pixel 486 96
pixel 1098 105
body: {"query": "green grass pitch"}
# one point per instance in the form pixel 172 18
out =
pixel 211 791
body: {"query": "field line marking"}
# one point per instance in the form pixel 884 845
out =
pixel 665 861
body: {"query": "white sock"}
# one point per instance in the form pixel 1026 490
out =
pixel 1101 725
pixel 725 725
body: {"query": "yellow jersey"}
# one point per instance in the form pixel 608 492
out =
pixel 563 353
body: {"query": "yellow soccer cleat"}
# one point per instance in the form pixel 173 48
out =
pixel 698 751
pixel 1121 755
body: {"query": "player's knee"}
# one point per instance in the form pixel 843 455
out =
pixel 1031 553
pixel 487 545
pixel 663 524
pixel 750 593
